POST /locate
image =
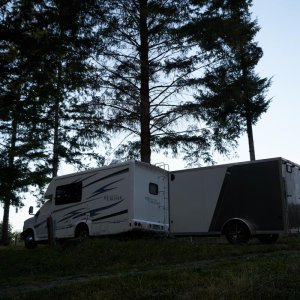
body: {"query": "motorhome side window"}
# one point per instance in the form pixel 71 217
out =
pixel 68 193
pixel 153 188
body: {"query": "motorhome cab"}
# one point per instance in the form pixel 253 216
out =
pixel 109 200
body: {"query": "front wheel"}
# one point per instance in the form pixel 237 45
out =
pixel 29 240
pixel 237 232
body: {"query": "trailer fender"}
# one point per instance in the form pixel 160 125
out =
pixel 249 224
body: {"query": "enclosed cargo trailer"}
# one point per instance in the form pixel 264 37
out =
pixel 258 198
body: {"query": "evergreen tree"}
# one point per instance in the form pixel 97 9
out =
pixel 44 59
pixel 19 143
pixel 67 76
pixel 149 67
pixel 236 96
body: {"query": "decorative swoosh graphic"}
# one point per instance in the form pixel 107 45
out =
pixel 108 176
pixel 112 215
pixel 73 214
pixel 104 189
pixel 82 211
pixel 86 178
pixel 95 211
pixel 78 213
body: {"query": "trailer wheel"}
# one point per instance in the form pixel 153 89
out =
pixel 29 240
pixel 82 232
pixel 237 232
pixel 268 238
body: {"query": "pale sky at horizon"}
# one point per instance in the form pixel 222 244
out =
pixel 276 133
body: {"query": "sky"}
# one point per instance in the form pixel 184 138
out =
pixel 277 132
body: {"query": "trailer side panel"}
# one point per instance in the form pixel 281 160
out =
pixel 202 200
pixel 193 197
pixel 252 192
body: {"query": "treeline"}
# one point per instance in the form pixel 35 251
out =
pixel 173 76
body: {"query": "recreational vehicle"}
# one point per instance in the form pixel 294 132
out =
pixel 242 200
pixel 109 200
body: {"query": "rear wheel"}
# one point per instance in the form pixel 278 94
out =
pixel 268 238
pixel 82 232
pixel 237 232
pixel 29 240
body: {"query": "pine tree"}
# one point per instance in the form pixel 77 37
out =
pixel 19 143
pixel 44 53
pixel 149 67
pixel 236 96
pixel 73 127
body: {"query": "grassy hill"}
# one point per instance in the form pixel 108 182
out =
pixel 152 268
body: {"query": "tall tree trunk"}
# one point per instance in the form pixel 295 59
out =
pixel 56 140
pixel 250 134
pixel 144 92
pixel 55 159
pixel 246 100
pixel 10 178
pixel 5 222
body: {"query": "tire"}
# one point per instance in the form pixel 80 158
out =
pixel 29 240
pixel 237 232
pixel 268 238
pixel 82 232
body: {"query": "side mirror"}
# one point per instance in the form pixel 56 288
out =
pixel 30 210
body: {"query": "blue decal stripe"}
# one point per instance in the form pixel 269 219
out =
pixel 108 176
pixel 112 215
pixel 92 212
pixel 104 189
pixel 72 214
pixel 83 179
pixel 68 207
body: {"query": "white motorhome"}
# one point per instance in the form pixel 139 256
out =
pixel 109 200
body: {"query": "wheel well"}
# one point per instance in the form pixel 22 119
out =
pixel 237 220
pixel 81 226
pixel 30 243
pixel 26 232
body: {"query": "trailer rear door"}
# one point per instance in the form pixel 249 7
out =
pixel 291 174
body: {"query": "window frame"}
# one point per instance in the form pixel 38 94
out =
pixel 69 193
pixel 153 188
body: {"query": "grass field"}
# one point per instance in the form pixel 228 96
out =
pixel 152 268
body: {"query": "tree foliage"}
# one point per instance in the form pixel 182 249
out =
pixel 158 75
pixel 235 95
pixel 150 66
pixel 67 76
pixel 45 114
pixel 20 144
